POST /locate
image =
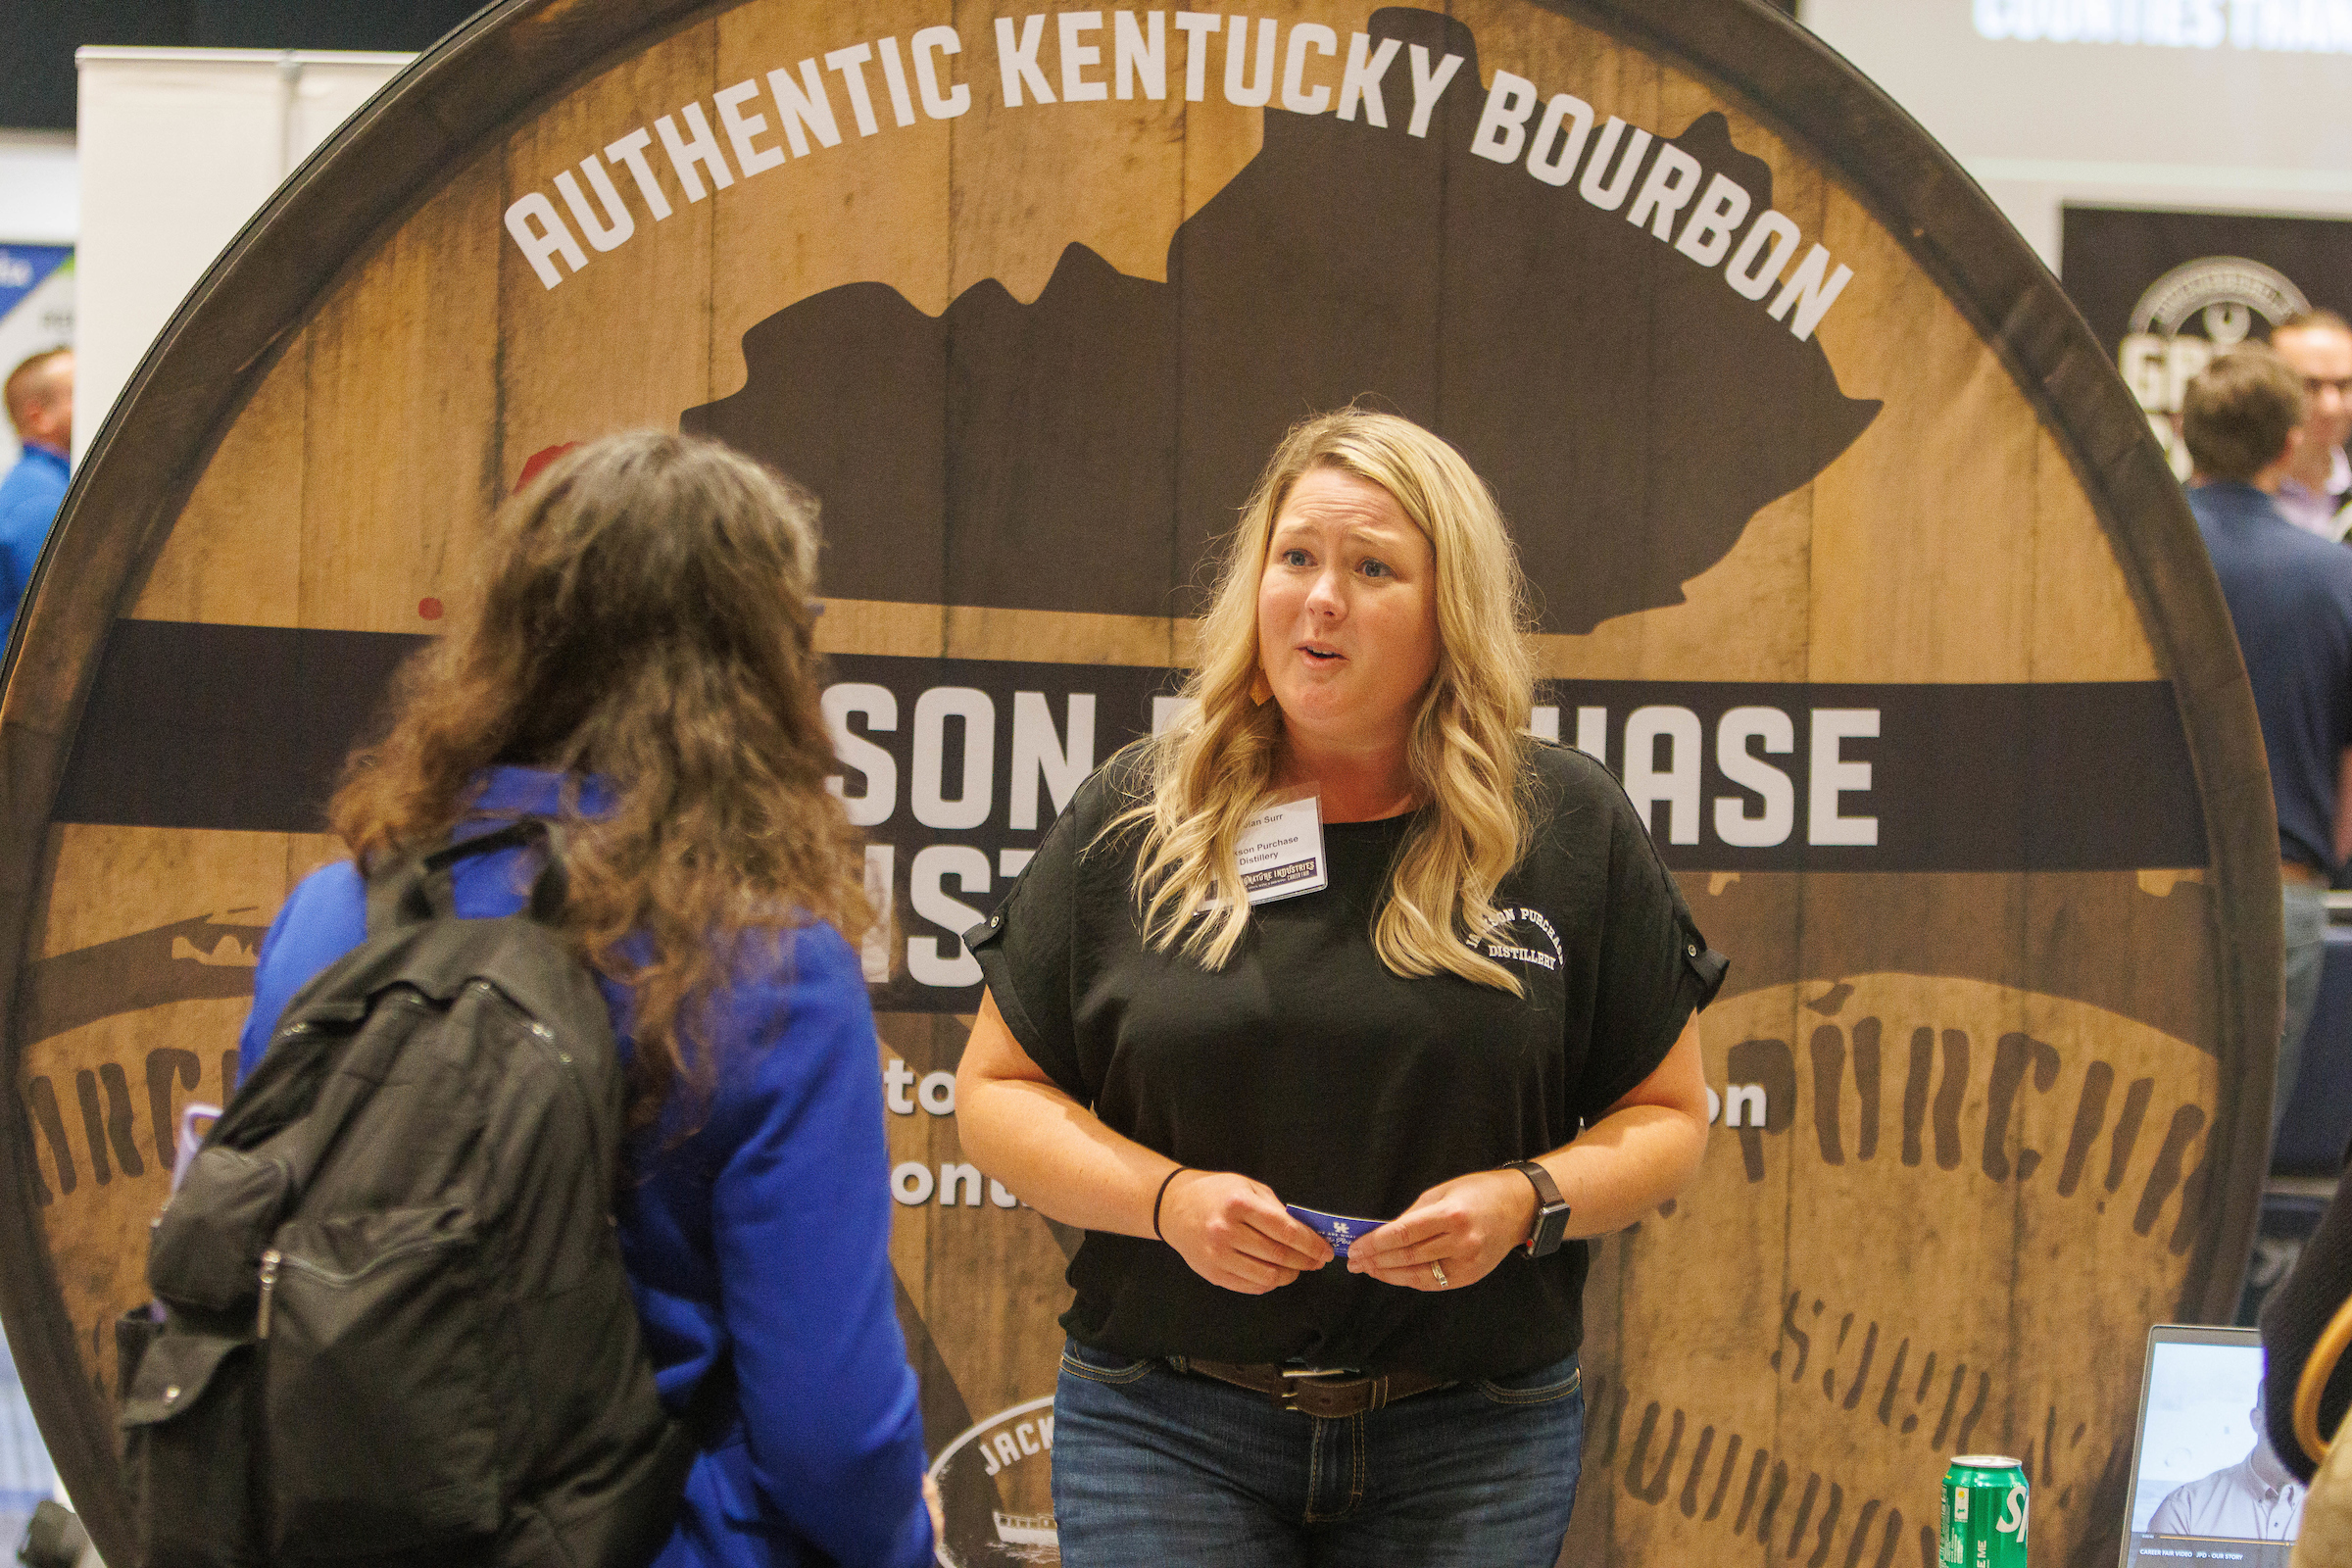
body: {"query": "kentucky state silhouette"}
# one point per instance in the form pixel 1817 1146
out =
pixel 1632 411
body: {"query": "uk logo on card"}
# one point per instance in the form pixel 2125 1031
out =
pixel 1339 1229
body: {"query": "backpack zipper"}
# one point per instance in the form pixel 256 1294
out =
pixel 275 1259
pixel 269 1261
pixel 393 1255
pixel 572 1075
pixel 547 1042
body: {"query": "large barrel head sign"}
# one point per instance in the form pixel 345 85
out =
pixel 1855 562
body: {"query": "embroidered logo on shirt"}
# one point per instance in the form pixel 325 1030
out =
pixel 1513 938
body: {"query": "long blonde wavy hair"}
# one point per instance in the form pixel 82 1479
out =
pixel 1216 766
pixel 643 617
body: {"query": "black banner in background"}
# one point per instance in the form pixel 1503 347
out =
pixel 2109 256
pixel 2165 291
pixel 981 753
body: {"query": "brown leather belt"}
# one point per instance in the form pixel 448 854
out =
pixel 1326 1396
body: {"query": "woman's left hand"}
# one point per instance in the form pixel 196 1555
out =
pixel 1454 1235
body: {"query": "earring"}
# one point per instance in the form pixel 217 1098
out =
pixel 1261 691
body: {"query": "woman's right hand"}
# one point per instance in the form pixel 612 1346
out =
pixel 1233 1232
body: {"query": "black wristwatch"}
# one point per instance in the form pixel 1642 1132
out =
pixel 1552 1210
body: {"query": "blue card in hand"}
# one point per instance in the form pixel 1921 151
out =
pixel 1339 1229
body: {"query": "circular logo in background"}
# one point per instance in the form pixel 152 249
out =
pixel 2195 311
pixel 2223 293
pixel 996 1480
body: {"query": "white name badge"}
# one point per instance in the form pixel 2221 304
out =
pixel 1281 851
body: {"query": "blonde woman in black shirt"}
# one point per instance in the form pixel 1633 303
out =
pixel 1336 1091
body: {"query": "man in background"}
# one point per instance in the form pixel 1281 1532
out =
pixel 2290 601
pixel 2257 1499
pixel 2316 346
pixel 40 394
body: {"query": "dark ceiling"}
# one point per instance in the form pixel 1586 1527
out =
pixel 36 68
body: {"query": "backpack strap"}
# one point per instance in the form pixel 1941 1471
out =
pixel 417 887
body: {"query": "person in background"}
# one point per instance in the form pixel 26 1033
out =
pixel 40 394
pixel 2316 345
pixel 2257 1499
pixel 2290 602
pixel 638 663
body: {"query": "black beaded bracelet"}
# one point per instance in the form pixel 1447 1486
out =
pixel 1161 1197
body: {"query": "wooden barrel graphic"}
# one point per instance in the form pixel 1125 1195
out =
pixel 1857 562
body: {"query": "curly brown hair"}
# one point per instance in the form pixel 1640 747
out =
pixel 643 618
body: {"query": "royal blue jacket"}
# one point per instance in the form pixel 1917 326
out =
pixel 760 1242
pixel 28 501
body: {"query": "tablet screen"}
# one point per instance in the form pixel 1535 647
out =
pixel 2206 1487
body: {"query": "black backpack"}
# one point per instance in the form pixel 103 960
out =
pixel 394 1324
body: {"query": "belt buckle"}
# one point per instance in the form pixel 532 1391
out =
pixel 1288 1399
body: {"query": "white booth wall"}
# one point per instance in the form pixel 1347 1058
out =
pixel 40 198
pixel 2207 105
pixel 178 149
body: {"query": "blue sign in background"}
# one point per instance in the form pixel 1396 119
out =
pixel 23 267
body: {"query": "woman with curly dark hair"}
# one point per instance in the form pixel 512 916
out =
pixel 638 667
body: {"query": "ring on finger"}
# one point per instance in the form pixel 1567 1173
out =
pixel 1439 1269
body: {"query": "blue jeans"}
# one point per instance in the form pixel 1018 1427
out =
pixel 1160 1467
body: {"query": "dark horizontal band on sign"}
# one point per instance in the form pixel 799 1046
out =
pixel 238 727
pixel 241 728
pixel 2083 776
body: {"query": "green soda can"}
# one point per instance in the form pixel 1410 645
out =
pixel 1983 1514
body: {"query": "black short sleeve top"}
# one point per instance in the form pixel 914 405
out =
pixel 1307 1064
